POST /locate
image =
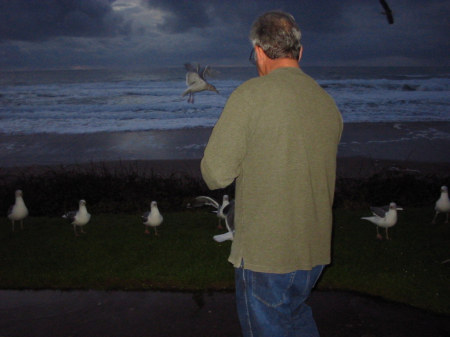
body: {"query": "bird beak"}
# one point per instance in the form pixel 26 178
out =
pixel 399 208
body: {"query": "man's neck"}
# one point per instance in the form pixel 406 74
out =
pixel 279 63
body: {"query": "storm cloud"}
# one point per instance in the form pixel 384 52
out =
pixel 143 33
pixel 31 20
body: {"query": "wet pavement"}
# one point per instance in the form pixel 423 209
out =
pixel 154 314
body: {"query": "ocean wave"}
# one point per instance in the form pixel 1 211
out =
pixel 107 102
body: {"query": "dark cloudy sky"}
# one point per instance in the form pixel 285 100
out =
pixel 142 33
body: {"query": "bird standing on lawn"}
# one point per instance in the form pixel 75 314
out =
pixel 18 211
pixel 153 218
pixel 78 218
pixel 442 205
pixel 385 216
pixel 196 82
pixel 208 201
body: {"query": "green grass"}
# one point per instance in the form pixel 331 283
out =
pixel 115 254
pixel 407 269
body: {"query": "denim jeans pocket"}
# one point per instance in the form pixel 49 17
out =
pixel 271 289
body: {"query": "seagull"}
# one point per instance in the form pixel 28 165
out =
pixel 442 205
pixel 228 212
pixel 78 218
pixel 18 211
pixel 152 218
pixel 387 11
pixel 385 216
pixel 196 82
pixel 207 201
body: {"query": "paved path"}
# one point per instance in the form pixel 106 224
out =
pixel 154 314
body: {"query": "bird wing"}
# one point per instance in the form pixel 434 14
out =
pixel 194 80
pixel 205 201
pixel 206 71
pixel 387 11
pixel 145 215
pixel 228 210
pixel 223 237
pixel 191 67
pixel 379 211
pixel 70 215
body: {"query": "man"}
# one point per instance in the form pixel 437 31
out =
pixel 277 136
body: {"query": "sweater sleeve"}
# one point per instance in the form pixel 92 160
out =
pixel 226 148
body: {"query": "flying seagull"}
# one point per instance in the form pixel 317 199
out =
pixel 152 218
pixel 208 201
pixel 385 216
pixel 443 204
pixel 387 11
pixel 196 82
pixel 18 211
pixel 78 218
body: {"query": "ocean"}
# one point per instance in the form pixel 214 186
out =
pixel 91 101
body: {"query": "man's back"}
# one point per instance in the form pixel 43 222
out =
pixel 289 129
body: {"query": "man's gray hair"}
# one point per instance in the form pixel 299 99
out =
pixel 277 34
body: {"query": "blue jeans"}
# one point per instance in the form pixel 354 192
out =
pixel 273 305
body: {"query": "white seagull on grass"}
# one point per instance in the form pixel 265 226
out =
pixel 442 205
pixel 152 218
pixel 208 201
pixel 78 218
pixel 385 216
pixel 196 82
pixel 18 211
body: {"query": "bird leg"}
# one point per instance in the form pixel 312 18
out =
pixel 219 226
pixel 82 231
pixel 379 237
pixel 435 216
pixel 21 225
pixel 75 230
pixel 387 235
pixel 156 232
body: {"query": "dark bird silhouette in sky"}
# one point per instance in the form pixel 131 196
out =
pixel 387 11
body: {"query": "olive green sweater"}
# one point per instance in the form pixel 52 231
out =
pixel 278 137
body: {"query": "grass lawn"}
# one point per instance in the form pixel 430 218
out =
pixel 116 254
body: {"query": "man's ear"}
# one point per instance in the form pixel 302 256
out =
pixel 260 55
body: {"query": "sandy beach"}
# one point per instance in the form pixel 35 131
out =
pixel 364 149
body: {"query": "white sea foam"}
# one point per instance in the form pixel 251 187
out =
pixel 105 101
